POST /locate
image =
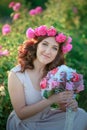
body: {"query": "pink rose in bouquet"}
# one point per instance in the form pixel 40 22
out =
pixel 60 79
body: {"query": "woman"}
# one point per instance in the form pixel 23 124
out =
pixel 43 51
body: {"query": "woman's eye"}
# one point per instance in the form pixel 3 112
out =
pixel 44 44
pixel 55 48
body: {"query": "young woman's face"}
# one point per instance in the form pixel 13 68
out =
pixel 47 50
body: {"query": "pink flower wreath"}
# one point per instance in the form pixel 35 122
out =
pixel 51 32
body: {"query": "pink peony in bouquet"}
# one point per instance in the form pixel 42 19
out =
pixel 60 79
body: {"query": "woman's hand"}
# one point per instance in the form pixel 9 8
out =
pixel 62 97
pixel 73 104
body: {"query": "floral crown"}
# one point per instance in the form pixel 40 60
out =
pixel 51 32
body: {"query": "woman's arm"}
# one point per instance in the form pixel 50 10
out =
pixel 16 91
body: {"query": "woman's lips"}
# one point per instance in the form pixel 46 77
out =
pixel 46 56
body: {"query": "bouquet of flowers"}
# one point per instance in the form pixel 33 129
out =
pixel 60 79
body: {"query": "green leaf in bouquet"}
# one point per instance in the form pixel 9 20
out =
pixel 54 106
pixel 48 93
pixel 58 90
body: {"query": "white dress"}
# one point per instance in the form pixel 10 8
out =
pixel 47 119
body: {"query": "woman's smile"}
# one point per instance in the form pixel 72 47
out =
pixel 46 56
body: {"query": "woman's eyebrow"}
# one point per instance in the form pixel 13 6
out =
pixel 46 42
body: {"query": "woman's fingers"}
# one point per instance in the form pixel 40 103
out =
pixel 72 104
pixel 66 96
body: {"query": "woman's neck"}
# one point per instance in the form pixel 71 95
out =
pixel 38 67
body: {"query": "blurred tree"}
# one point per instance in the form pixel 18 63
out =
pixel 35 3
pixel 4 10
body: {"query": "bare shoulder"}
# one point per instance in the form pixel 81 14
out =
pixel 12 74
pixel 13 80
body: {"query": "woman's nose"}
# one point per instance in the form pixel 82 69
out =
pixel 48 50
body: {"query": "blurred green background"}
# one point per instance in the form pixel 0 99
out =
pixel 69 16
